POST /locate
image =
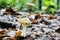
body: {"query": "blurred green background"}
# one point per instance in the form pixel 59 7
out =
pixel 42 5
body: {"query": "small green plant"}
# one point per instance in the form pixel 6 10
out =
pixel 51 5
